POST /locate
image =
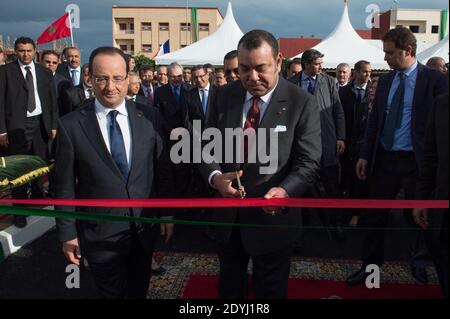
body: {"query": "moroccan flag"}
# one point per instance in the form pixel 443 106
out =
pixel 59 29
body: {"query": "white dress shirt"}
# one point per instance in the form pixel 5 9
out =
pixel 38 109
pixel 123 121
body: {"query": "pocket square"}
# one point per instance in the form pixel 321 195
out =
pixel 280 128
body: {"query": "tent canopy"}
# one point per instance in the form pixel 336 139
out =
pixel 211 49
pixel 440 49
pixel 345 45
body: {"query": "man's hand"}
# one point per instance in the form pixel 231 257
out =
pixel 71 250
pixel 4 140
pixel 53 135
pixel 275 192
pixel 340 147
pixel 222 182
pixel 166 231
pixel 361 169
pixel 421 217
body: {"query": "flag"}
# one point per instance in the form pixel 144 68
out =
pixel 59 29
pixel 164 48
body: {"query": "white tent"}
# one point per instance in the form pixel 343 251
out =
pixel 210 49
pixel 421 46
pixel 439 49
pixel 345 45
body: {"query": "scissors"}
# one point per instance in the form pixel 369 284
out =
pixel 240 187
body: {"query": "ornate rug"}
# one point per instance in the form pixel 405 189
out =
pixel 194 276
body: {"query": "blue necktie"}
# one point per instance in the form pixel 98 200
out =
pixel 394 118
pixel 310 85
pixel 74 77
pixel 117 144
pixel 176 92
pixel 360 94
pixel 204 100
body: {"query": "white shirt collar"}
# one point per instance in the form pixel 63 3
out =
pixel 22 66
pixel 266 98
pixel 206 88
pixel 103 111
pixel 70 68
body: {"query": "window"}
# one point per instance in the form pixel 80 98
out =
pixel 414 28
pixel 146 48
pixel 131 26
pixel 146 26
pixel 122 26
pixel 123 47
pixel 132 48
pixel 164 26
pixel 185 26
pixel 434 29
pixel 203 26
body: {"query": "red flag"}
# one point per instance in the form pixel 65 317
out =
pixel 59 29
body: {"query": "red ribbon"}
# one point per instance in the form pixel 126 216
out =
pixel 236 202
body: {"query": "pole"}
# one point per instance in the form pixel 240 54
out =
pixel 70 25
pixel 187 29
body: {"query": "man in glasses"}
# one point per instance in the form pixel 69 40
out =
pixel 111 148
pixel 170 99
pixel 73 97
pixel 231 66
pixel 50 60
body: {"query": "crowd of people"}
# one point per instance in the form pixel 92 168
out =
pixel 108 124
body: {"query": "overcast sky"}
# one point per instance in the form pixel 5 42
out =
pixel 284 18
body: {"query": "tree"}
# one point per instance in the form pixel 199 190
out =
pixel 141 60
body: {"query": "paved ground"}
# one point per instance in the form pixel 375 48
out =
pixel 38 269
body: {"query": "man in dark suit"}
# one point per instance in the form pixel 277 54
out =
pixel 111 148
pixel 393 145
pixel 72 69
pixel 332 123
pixel 170 99
pixel 433 184
pixel 28 111
pixel 50 60
pixel 355 99
pixel 134 89
pixel 147 90
pixel 73 97
pixel 262 100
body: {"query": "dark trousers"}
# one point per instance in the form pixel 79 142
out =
pixel 393 171
pixel 270 272
pixel 31 141
pixel 126 275
pixel 329 180
pixel 436 241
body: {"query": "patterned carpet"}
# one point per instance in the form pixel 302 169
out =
pixel 180 267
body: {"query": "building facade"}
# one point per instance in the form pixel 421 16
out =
pixel 142 30
pixel 428 25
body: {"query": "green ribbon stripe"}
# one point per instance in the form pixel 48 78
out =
pixel 15 210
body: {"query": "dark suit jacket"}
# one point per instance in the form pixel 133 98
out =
pixel 356 116
pixel 332 120
pixel 194 104
pixel 71 99
pixel 433 178
pixel 142 94
pixel 63 70
pixel 430 83
pixel 173 113
pixel 299 152
pixel 13 101
pixel 85 169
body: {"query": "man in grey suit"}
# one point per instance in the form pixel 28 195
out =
pixel 111 148
pixel 332 122
pixel 261 99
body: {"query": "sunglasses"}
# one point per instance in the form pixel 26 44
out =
pixel 51 62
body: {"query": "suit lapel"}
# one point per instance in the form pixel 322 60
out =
pixel 41 84
pixel 235 108
pixel 91 128
pixel 137 132
pixel 276 106
pixel 19 76
pixel 419 90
